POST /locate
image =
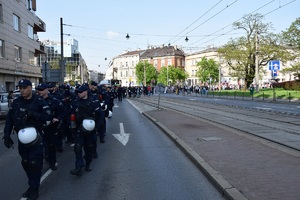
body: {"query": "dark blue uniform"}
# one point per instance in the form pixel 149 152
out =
pixel 35 113
pixel 69 97
pixel 85 109
pixel 51 132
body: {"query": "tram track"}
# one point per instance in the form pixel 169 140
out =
pixel 246 120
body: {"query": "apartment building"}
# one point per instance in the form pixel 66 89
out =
pixel 20 47
pixel 122 67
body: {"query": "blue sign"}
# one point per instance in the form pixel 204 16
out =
pixel 275 73
pixel 274 65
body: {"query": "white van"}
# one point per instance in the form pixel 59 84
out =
pixel 105 83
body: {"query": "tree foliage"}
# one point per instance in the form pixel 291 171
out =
pixel 174 75
pixel 292 35
pixel 208 69
pixel 145 70
pixel 240 54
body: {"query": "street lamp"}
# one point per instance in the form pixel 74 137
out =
pixel 144 73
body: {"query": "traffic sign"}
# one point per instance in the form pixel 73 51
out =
pixel 274 65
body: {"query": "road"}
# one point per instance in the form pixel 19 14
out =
pixel 137 161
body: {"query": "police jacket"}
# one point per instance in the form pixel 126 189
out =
pixel 86 109
pixel 57 111
pixel 33 112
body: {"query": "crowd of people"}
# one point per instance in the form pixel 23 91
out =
pixel 44 119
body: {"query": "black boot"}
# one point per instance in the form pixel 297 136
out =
pixel 25 194
pixel 76 172
pixel 102 140
pixel 33 195
pixel 88 168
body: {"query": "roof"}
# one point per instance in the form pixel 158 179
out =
pixel 162 52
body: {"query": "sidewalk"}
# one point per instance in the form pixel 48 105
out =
pixel 241 167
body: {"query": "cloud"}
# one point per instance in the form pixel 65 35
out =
pixel 111 34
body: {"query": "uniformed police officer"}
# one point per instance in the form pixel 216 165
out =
pixel 28 115
pixel 51 137
pixel 85 120
pixel 99 97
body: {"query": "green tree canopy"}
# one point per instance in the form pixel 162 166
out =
pixel 172 74
pixel 145 70
pixel 292 35
pixel 208 69
pixel 240 54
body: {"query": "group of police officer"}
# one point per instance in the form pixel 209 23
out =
pixel 42 119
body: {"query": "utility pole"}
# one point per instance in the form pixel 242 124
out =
pixel 62 64
pixel 145 81
pixel 256 62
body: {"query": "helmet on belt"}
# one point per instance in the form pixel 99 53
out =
pixel 103 106
pixel 88 124
pixel 109 114
pixel 28 135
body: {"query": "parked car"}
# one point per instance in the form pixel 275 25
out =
pixel 4 103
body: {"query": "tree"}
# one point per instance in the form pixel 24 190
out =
pixel 145 68
pixel 172 74
pixel 292 35
pixel 294 70
pixel 292 38
pixel 207 69
pixel 240 54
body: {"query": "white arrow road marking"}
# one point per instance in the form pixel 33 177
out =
pixel 122 137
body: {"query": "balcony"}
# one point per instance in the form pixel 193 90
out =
pixel 41 50
pixel 40 26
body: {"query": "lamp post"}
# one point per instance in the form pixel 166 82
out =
pixel 144 73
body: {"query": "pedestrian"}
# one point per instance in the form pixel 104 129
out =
pixel 85 121
pixel 51 132
pixel 10 99
pixel 28 115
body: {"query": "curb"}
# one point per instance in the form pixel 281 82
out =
pixel 224 186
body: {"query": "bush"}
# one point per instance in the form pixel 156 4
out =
pixel 288 85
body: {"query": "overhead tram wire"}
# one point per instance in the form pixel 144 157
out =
pixel 230 25
pixel 194 21
pixel 242 18
pixel 209 19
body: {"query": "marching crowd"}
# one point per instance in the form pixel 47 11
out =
pixel 44 118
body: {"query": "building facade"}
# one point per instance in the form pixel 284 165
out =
pixel 123 66
pixel 75 67
pixel 20 47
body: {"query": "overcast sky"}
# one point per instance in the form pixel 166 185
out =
pixel 101 26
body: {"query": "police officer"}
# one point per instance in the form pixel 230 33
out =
pixel 99 97
pixel 51 137
pixel 85 120
pixel 28 115
pixel 67 100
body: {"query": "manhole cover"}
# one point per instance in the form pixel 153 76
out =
pixel 211 138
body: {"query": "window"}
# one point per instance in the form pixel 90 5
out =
pixel 29 4
pixel 30 31
pixel 16 23
pixel 31 58
pixel 163 62
pixel 1 48
pixel 17 53
pixel 1 13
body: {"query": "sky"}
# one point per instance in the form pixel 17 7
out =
pixel 100 26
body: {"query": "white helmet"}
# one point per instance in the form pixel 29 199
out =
pixel 27 135
pixel 88 124
pixel 109 114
